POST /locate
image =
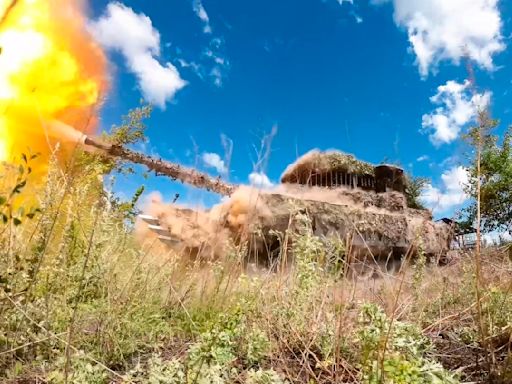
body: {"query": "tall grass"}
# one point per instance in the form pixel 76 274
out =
pixel 82 302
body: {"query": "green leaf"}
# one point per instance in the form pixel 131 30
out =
pixel 3 200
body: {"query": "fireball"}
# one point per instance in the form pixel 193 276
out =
pixel 51 70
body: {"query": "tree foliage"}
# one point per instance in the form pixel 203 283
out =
pixel 132 129
pixel 413 189
pixel 495 176
pixel 130 132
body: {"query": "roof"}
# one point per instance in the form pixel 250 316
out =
pixel 318 162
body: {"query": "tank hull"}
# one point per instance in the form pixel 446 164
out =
pixel 372 226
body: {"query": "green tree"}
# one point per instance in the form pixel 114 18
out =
pixel 495 176
pixel 413 188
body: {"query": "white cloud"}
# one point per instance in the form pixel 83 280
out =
pixel 213 160
pixel 133 35
pixel 220 63
pixel 214 71
pixel 450 30
pixel 451 194
pixel 457 107
pixel 216 74
pixel 422 158
pixel 194 67
pixel 201 13
pixel 260 180
pixel 216 65
pixel 358 19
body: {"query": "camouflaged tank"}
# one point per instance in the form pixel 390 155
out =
pixel 362 205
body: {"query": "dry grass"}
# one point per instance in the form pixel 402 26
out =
pixel 82 302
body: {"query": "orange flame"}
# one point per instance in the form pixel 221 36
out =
pixel 50 70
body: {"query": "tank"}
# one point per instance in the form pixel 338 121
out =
pixel 333 194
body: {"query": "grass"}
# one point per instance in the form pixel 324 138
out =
pixel 82 302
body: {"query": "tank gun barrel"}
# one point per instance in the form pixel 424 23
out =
pixel 172 170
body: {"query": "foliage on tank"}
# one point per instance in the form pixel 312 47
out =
pixel 316 161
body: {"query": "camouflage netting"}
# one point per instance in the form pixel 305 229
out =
pixel 372 225
pixel 317 162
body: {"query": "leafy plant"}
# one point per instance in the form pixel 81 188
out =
pixel 84 372
pixel 414 186
pixel 132 129
pixel 263 377
pixel 395 353
pixel 257 346
pixel 10 210
pixel 165 372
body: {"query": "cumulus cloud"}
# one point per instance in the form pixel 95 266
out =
pixel 201 13
pixel 457 107
pixel 213 160
pixel 450 194
pixel 133 35
pixel 450 30
pixel 260 180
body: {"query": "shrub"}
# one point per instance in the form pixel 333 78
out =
pixel 395 352
pixel 263 377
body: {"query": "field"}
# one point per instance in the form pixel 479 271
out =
pixel 83 302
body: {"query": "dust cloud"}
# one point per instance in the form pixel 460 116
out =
pixel 201 231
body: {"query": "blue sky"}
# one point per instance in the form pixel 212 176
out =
pixel 360 76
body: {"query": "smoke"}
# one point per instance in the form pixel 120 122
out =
pixel 52 77
pixel 63 132
pixel 206 233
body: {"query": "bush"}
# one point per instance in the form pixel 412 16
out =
pixel 395 352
